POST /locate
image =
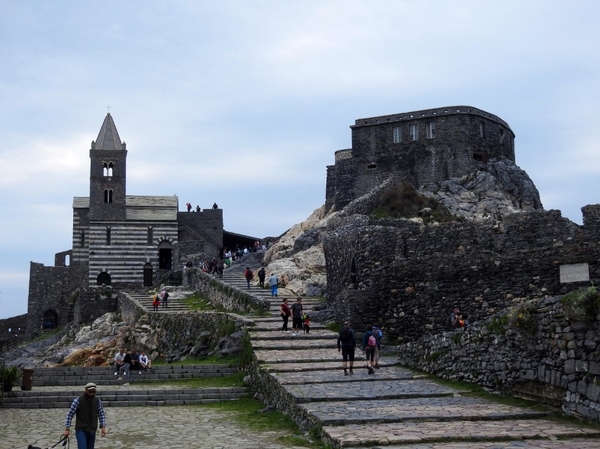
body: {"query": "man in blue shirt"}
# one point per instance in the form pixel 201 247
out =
pixel 88 410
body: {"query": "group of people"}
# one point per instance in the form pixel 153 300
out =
pixel 371 346
pixel 126 361
pixel 160 298
pixel 300 320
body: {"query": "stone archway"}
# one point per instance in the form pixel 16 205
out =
pixel 165 255
pixel 50 320
pixel 103 279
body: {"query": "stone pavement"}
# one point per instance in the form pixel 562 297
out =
pixel 393 408
pixel 139 428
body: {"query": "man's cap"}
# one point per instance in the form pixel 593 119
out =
pixel 90 386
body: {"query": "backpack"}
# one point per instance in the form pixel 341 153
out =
pixel 372 342
pixel 345 335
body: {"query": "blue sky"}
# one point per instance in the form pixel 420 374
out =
pixel 245 102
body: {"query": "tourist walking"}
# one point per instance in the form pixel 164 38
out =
pixel 87 411
pixel 297 316
pixel 155 303
pixel 346 343
pixel 248 275
pixel 261 277
pixel 165 298
pixel 274 283
pixel 369 344
pixel 285 312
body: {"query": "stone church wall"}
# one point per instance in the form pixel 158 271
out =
pixel 406 277
pixel 558 364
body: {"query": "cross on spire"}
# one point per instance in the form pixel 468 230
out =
pixel 108 108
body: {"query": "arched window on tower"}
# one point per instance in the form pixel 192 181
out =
pixel 107 169
pixel 108 196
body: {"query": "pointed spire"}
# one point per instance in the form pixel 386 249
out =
pixel 108 137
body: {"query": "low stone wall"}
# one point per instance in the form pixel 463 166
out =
pixel 270 392
pixel 178 334
pixel 559 363
pixel 222 294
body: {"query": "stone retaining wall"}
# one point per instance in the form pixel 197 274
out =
pixel 559 363
pixel 179 334
pixel 222 294
pixel 406 276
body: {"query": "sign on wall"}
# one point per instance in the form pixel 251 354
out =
pixel 574 272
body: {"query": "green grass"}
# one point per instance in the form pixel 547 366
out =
pixel 200 303
pixel 246 412
pixel 233 380
pixel 212 360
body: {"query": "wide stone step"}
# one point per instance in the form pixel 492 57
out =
pixel 299 342
pixel 337 375
pixel 382 389
pixel 124 398
pixel 418 409
pixel 336 365
pixel 257 334
pixel 577 443
pixel 297 355
pixel 387 434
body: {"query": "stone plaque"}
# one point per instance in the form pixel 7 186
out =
pixel 574 272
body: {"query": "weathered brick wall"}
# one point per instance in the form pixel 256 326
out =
pixel 559 363
pixel 200 235
pixel 93 302
pixel 406 277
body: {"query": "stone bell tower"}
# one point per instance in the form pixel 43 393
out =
pixel 108 174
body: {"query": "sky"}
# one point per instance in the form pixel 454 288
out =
pixel 244 102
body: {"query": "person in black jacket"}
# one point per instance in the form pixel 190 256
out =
pixel 346 343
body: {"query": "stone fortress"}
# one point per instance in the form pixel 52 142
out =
pixel 405 275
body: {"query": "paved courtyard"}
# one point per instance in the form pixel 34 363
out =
pixel 139 428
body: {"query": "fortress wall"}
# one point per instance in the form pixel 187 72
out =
pixel 50 288
pixel 406 277
pixel 200 234
pixel 558 364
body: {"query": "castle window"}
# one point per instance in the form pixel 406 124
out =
pixel 430 129
pixel 150 235
pixel 108 235
pixel 397 134
pixel 413 131
pixel 108 196
pixel 501 135
pixel 482 130
pixel 372 165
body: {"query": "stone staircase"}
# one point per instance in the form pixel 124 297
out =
pixel 175 304
pixel 394 408
pixel 56 387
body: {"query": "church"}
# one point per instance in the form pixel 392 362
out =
pixel 119 241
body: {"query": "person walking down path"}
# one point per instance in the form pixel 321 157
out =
pixel 297 317
pixel 274 283
pixel 155 303
pixel 285 311
pixel 346 342
pixel 87 410
pixel 379 336
pixel 249 276
pixel 369 344
pixel 165 298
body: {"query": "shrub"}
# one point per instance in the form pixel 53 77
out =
pixel 582 304
pixel 407 202
pixel 523 318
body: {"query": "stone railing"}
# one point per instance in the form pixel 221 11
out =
pixel 557 363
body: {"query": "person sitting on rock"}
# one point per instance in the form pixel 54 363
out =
pixel 119 361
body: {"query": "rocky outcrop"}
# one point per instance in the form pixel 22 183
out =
pixel 500 189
